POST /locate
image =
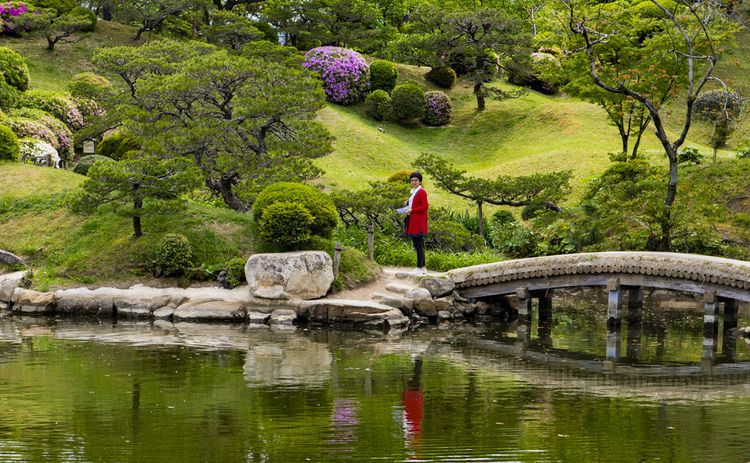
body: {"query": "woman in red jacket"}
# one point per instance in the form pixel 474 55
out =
pixel 416 220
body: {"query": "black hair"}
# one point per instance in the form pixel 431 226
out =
pixel 416 175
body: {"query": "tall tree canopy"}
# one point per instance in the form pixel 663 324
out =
pixel 245 118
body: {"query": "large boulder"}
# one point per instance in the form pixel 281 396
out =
pixel 32 302
pixel 9 282
pixel 303 274
pixel 438 287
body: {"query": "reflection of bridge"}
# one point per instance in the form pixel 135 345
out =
pixel 720 281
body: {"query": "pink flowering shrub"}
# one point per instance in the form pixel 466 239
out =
pixel 56 103
pixel 11 10
pixel 345 74
pixel 88 108
pixel 437 108
pixel 33 123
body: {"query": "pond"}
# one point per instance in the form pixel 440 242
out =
pixel 97 391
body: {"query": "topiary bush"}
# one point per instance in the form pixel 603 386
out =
pixel 88 14
pixel 40 125
pixel 383 75
pixel 88 85
pixel 117 145
pixel 13 67
pixel 172 256
pixel 378 105
pixel 344 73
pixel 58 104
pixel 38 152
pixel 286 224
pixel 61 6
pixel 437 108
pixel 9 149
pixel 400 176
pixel 442 76
pixel 319 204
pixel 407 102
pixel 85 163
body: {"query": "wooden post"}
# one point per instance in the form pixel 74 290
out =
pixel 524 305
pixel 614 305
pixel 710 325
pixel 635 304
pixel 370 242
pixel 336 260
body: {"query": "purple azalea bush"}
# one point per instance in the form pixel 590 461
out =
pixel 437 108
pixel 10 10
pixel 344 72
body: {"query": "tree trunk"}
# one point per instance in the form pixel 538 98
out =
pixel 137 207
pixel 224 188
pixel 480 217
pixel 480 96
pixel 51 43
pixel 665 242
pixel 138 34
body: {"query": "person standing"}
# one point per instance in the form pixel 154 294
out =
pixel 416 220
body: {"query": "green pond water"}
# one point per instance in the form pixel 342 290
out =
pixel 88 391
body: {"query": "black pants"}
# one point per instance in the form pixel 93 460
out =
pixel 419 247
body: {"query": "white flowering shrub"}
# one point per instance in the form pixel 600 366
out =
pixel 34 151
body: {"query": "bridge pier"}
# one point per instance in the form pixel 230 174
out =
pixel 710 325
pixel 614 304
pixel 524 305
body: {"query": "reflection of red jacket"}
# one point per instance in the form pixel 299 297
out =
pixel 418 217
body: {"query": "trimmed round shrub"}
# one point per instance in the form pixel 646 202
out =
pixel 711 105
pixel 318 203
pixel 117 145
pixel 13 67
pixel 38 152
pixel 443 76
pixel 88 85
pixel 61 6
pixel 407 102
pixel 344 73
pixel 9 149
pixel 8 95
pixel 172 256
pixel 85 163
pixel 40 125
pixel 437 108
pixel 88 14
pixel 400 176
pixel 285 223
pixel 502 217
pixel 383 75
pixel 58 104
pixel 378 105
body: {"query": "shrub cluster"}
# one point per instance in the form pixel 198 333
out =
pixel 172 256
pixel 40 125
pixel 13 67
pixel 9 149
pixel 117 145
pixel 378 105
pixel 443 76
pixel 318 204
pixel 88 14
pixel 383 75
pixel 232 273
pixel 56 103
pixel 450 236
pixel 8 95
pixel 344 73
pixel 407 102
pixel 9 11
pixel 84 164
pixel 437 108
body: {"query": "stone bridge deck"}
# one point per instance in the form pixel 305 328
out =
pixel 726 278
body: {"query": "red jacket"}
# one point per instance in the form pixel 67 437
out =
pixel 417 220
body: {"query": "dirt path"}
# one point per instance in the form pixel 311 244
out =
pixel 389 275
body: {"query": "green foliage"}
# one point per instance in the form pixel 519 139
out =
pixel 88 14
pixel 13 67
pixel 400 176
pixel 269 32
pixel 230 29
pixel 235 271
pixel 117 145
pixel 374 205
pixel 718 104
pixel 173 256
pixel 286 224
pixel 89 85
pixel 319 205
pixel 503 216
pixel 513 239
pixel 58 104
pixel 689 155
pixel 84 164
pixel 9 149
pixel 450 236
pixel 443 76
pixel 529 211
pixel 8 95
pixel 743 153
pixel 40 125
pixel 400 253
pixel 407 102
pixel 61 6
pixel 383 75
pixel 378 105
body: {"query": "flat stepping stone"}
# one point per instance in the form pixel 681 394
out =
pixel 352 311
pixel 399 288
